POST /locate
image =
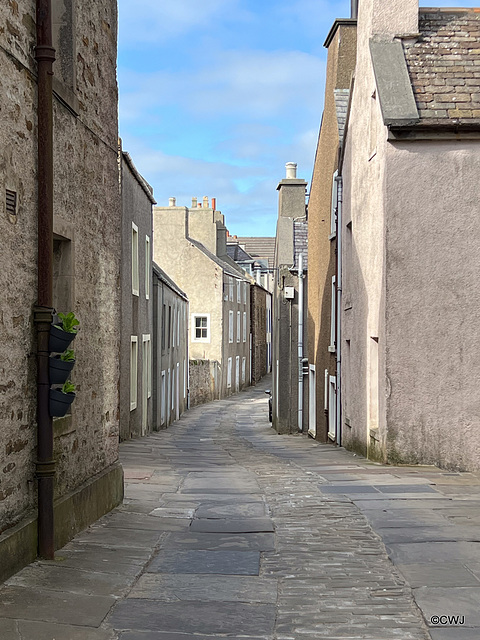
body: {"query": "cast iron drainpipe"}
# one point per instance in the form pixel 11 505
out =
pixel 45 466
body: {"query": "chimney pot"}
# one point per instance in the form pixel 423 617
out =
pixel 291 168
pixel 172 202
pixel 214 204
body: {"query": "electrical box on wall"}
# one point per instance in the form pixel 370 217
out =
pixel 289 293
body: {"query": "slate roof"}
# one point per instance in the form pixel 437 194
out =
pixel 444 66
pixel 260 248
pixel 341 103
pixel 235 271
pixel 236 253
pixel 300 241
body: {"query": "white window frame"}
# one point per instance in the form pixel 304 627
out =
pixel 148 268
pixel 174 327
pixel 178 327
pixel 331 348
pixel 133 372
pixel 148 364
pixel 333 210
pixel 163 399
pixel 230 326
pixel 229 373
pixel 194 327
pixel 173 388
pixel 244 326
pixel 230 288
pixel 332 408
pixel 135 266
pixel 239 322
pixel 239 292
pixel 244 293
pixel 244 369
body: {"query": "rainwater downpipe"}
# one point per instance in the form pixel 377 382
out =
pixel 45 465
pixel 338 315
pixel 300 343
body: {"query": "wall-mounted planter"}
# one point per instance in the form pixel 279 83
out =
pixel 59 339
pixel 59 402
pixel 59 370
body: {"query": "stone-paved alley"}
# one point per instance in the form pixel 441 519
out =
pixel 229 530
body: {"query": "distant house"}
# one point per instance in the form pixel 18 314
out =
pixel 136 406
pixel 289 364
pixel 410 261
pixel 190 245
pixel 262 251
pixel 170 350
pixel 323 280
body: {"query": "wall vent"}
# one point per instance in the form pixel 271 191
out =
pixel 11 202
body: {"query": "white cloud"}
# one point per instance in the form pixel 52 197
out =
pixel 258 84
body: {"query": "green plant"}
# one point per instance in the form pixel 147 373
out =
pixel 68 387
pixel 69 322
pixel 68 355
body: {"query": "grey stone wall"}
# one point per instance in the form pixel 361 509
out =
pixel 87 250
pixel 202 381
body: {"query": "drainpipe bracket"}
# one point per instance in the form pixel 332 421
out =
pixel 44 53
pixel 45 469
pixel 43 314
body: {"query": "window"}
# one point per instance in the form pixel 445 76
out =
pixel 229 373
pixel 201 327
pixel 135 277
pixel 164 319
pixel 230 288
pixel 244 293
pixel 333 211
pixel 169 325
pixel 244 368
pixel 147 363
pixel 163 399
pixel 244 326
pixel 147 267
pixel 133 371
pixel 239 291
pixel 230 326
pixel 174 326
pixel 331 348
pixel 173 388
pixel 178 327
pixel 184 378
pixel 238 326
pixel 332 408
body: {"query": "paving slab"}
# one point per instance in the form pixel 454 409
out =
pixel 221 525
pixel 53 606
pixel 119 560
pixel 447 532
pixel 405 553
pixel 171 588
pixel 158 635
pixel 438 574
pixel 455 633
pixel 50 631
pixel 61 578
pixel 201 561
pixel 463 602
pixel 194 617
pixel 114 536
pixel 240 510
pixel 221 541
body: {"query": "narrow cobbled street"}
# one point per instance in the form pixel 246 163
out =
pixel 229 530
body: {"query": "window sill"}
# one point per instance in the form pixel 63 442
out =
pixel 332 236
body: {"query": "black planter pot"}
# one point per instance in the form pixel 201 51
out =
pixel 59 369
pixel 59 402
pixel 59 339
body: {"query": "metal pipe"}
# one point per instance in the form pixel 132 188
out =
pixel 300 342
pixel 45 466
pixel 354 9
pixel 338 374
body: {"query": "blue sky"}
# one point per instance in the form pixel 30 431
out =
pixel 216 96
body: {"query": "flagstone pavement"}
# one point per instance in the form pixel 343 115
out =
pixel 229 530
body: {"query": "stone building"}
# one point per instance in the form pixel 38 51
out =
pixel 82 474
pixel 261 331
pixel 170 350
pixel 289 364
pixel 410 167
pixel 190 246
pixel 322 236
pixel 136 408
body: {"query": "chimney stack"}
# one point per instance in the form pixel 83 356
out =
pixel 194 203
pixel 205 202
pixel 172 202
pixel 291 170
